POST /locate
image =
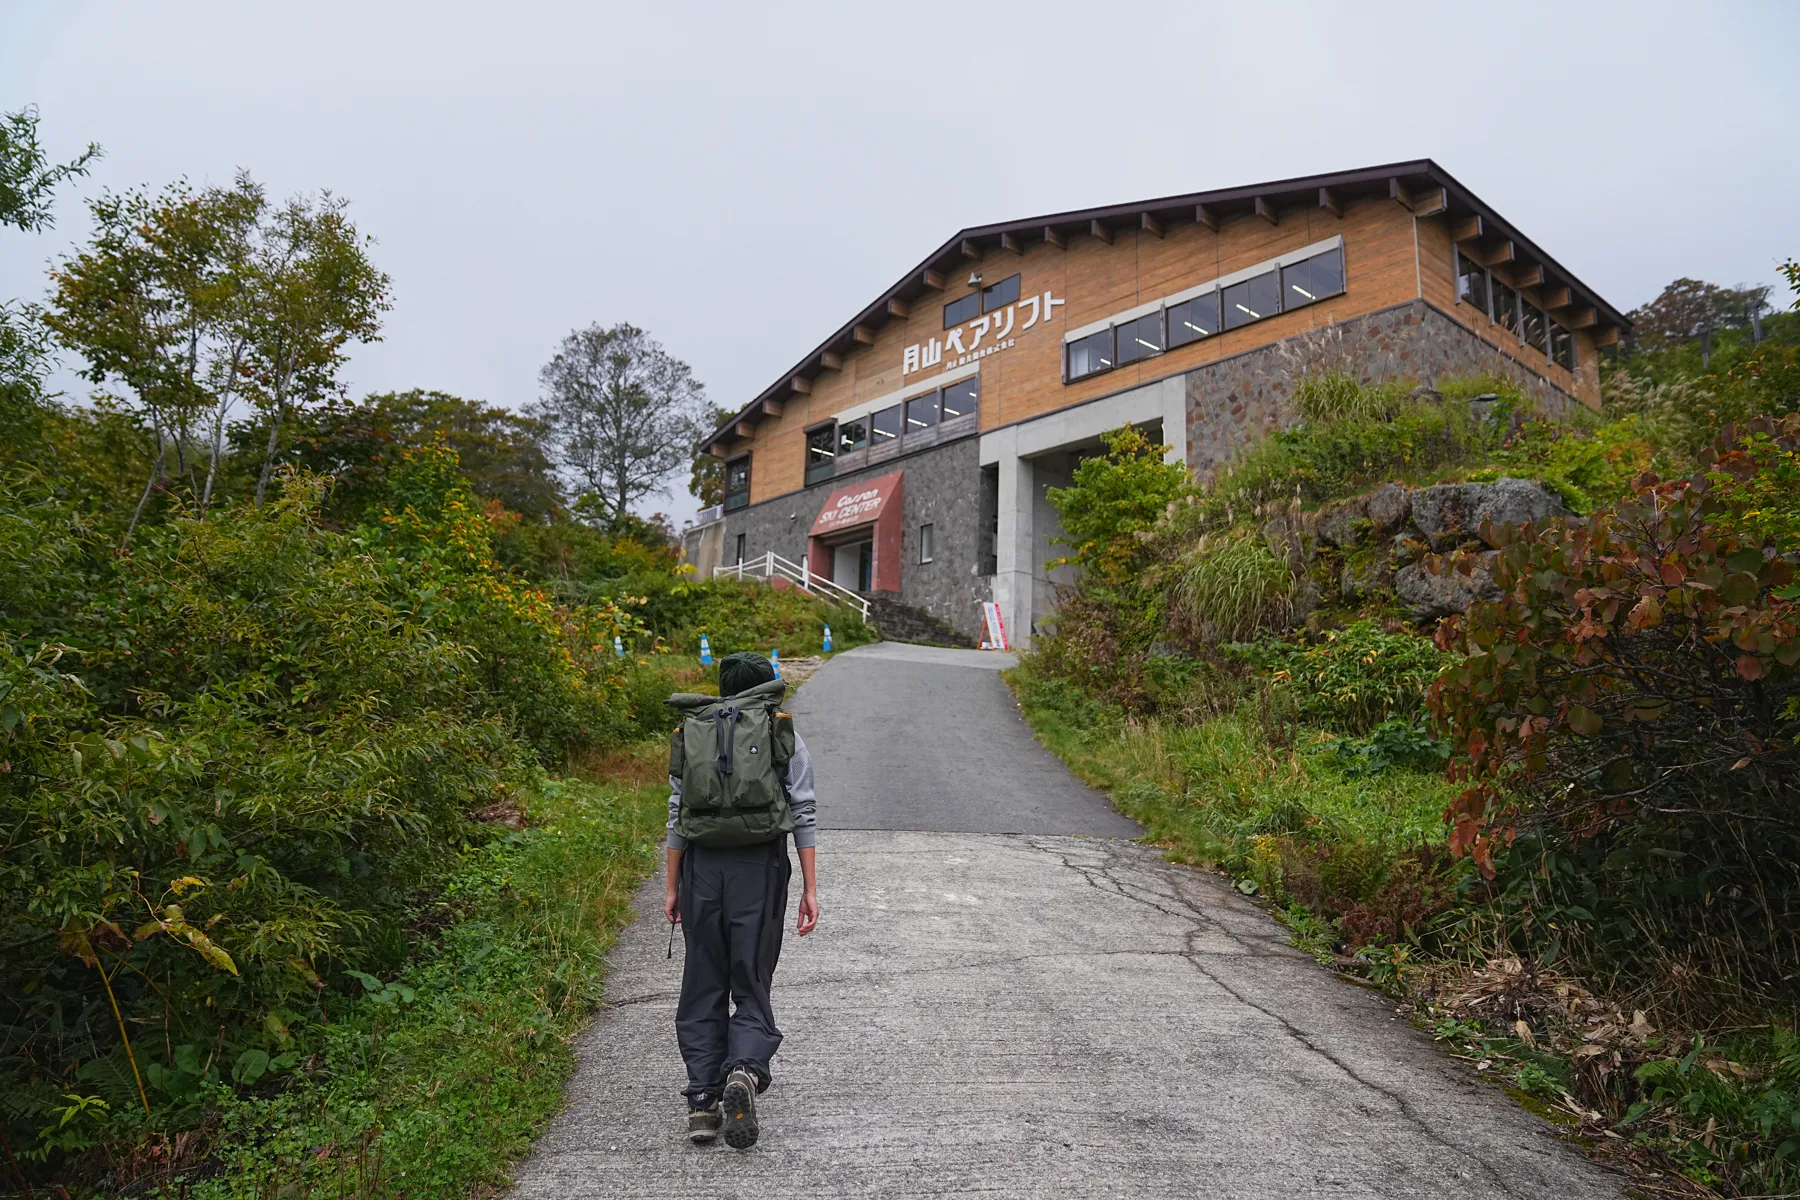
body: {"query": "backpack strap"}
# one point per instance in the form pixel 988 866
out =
pixel 780 722
pixel 724 721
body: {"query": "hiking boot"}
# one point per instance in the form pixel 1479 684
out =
pixel 739 1105
pixel 703 1124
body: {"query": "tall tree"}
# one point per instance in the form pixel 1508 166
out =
pixel 706 478
pixel 622 415
pixel 144 305
pixel 27 182
pixel 313 291
pixel 500 452
pixel 1692 308
pixel 27 179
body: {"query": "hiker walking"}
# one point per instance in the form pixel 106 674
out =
pixel 740 781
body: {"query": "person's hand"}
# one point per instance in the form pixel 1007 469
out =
pixel 671 906
pixel 809 913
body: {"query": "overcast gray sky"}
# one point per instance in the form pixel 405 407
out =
pixel 739 179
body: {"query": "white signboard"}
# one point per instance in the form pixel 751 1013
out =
pixel 993 629
pixel 970 342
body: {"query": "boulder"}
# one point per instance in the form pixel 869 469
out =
pixel 1364 575
pixel 1342 523
pixel 1453 512
pixel 1388 507
pixel 1431 596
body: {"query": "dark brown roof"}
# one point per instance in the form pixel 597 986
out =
pixel 1421 185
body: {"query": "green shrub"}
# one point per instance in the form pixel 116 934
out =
pixel 1395 744
pixel 1587 469
pixel 1114 497
pixel 235 761
pixel 1353 678
pixel 1312 463
pixel 739 615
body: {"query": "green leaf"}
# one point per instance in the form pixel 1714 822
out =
pixel 1584 720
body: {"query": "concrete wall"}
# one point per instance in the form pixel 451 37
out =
pixel 942 486
pixel 1235 402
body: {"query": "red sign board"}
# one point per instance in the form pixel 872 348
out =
pixel 857 504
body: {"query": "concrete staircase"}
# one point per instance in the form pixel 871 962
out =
pixel 903 623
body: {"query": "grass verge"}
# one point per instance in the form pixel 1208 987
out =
pixel 433 1082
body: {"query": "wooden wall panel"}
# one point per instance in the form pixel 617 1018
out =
pixel 1387 264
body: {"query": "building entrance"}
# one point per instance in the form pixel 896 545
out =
pixel 852 564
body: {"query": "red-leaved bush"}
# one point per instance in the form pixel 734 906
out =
pixel 1634 697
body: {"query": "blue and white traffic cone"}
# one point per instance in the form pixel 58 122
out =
pixel 705 651
pixel 828 639
pixel 775 661
pixel 618 646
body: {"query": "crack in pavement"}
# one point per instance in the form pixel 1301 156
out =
pixel 1200 923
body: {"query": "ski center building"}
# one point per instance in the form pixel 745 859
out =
pixel 907 456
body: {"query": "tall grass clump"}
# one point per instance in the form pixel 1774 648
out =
pixel 1231 585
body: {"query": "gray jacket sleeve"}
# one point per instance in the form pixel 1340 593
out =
pixel 800 795
pixel 800 798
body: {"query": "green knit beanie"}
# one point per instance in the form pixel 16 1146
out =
pixel 742 671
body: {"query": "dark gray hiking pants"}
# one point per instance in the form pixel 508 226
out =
pixel 733 903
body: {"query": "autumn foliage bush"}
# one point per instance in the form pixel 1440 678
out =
pixel 1627 713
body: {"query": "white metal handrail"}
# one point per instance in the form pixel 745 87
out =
pixel 772 564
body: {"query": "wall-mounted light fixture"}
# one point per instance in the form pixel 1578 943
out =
pixel 974 278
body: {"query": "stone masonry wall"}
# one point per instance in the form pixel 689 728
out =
pixel 1241 399
pixel 942 486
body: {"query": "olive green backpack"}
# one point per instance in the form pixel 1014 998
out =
pixel 731 756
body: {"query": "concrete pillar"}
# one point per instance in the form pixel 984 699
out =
pixel 1014 546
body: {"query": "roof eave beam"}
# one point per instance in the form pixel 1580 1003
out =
pixel 1267 212
pixel 1011 243
pixel 1431 202
pixel 1328 201
pixel 1053 237
pixel 1100 231
pixel 1150 225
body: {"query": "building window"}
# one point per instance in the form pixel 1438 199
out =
pixel 886 425
pixel 737 484
pixel 1472 284
pixel 921 412
pixel 1532 328
pixel 1142 338
pixel 1194 319
pixel 1562 346
pixel 1312 279
pixel 739 554
pixel 927 543
pixel 853 435
pixel 1090 355
pixel 958 311
pixel 999 295
pixel 962 399
pixel 1506 307
pixel 821 453
pixel 1251 300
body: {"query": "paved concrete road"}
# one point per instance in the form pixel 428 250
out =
pixel 1028 1013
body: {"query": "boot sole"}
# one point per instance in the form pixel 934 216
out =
pixel 739 1103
